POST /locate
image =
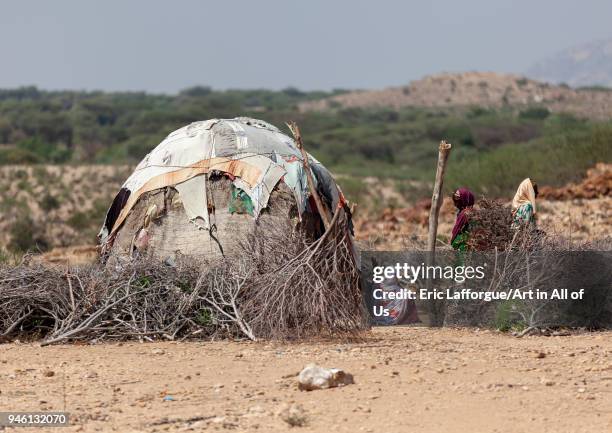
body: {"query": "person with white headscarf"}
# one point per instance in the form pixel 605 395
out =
pixel 524 204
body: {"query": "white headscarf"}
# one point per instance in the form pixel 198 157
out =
pixel 524 194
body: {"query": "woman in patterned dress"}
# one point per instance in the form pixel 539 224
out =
pixel 524 205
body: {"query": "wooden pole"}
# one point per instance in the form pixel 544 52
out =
pixel 443 152
pixel 295 130
pixel 436 307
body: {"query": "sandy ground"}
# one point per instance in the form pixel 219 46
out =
pixel 407 379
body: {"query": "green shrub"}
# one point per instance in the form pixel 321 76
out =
pixel 55 153
pixel 353 188
pixel 4 256
pixel 522 82
pixel 18 156
pixel 505 319
pixel 144 282
pixel 137 147
pixel 49 202
pixel 79 220
pixel 41 175
pixel 24 185
pixel 492 147
pixel 25 236
pixel 537 113
pixel 204 317
pixel 552 160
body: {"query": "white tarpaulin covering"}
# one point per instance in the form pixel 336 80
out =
pixel 193 196
pixel 254 153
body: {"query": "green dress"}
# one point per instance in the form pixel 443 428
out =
pixel 460 242
pixel 523 216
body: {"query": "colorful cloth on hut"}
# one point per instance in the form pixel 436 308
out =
pixel 240 202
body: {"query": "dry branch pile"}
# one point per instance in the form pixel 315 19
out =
pixel 491 221
pixel 283 287
pixel 547 264
pixel 142 301
pixel 305 290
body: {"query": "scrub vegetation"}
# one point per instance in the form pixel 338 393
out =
pixel 382 156
pixel 493 147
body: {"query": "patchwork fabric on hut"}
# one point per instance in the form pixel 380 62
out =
pixel 205 187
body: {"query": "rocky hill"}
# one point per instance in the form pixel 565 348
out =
pixel 484 89
pixel 585 65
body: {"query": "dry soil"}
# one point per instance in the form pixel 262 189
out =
pixel 406 380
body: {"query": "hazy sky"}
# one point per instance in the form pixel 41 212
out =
pixel 164 46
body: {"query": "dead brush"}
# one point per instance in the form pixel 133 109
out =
pixel 304 290
pixel 491 221
pixel 141 301
pixel 281 286
pixel 541 263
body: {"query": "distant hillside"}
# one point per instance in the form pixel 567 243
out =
pixel 484 89
pixel 46 206
pixel 586 65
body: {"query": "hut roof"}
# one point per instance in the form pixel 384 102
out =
pixel 254 155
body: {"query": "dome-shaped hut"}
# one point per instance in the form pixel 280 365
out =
pixel 208 185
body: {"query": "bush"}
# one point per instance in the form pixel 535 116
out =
pixel 4 256
pixel 79 220
pixel 197 91
pixel 353 188
pixel 49 202
pixel 544 264
pixel 505 319
pixel 18 156
pixel 55 153
pixel 553 161
pixel 137 147
pixel 537 113
pixel 25 236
